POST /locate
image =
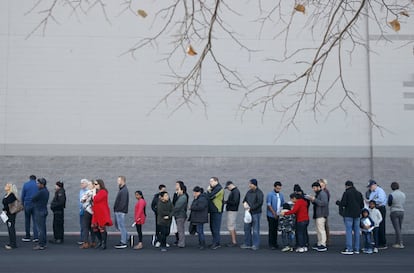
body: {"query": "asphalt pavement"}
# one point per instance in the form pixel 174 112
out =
pixel 68 258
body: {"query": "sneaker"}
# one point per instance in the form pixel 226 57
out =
pixel 286 249
pixel 322 248
pixel 300 250
pixel 231 245
pixel 315 247
pixel 255 248
pixel 38 247
pixel 375 250
pixel 36 240
pixel 163 249
pixel 398 246
pixel 80 242
pixel 8 247
pixel 26 239
pixel 356 251
pixel 168 245
pixel 157 244
pixel 368 251
pixel 383 247
pixel 121 246
pixel 244 246
pixel 215 246
pixel 347 252
pixel 305 248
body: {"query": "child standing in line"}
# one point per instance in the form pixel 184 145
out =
pixel 140 216
pixel 376 216
pixel 287 227
pixel 367 225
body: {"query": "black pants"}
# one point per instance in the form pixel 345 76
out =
pixel 87 229
pixel 139 232
pixel 382 241
pixel 58 223
pixel 11 228
pixel 164 232
pixel 273 224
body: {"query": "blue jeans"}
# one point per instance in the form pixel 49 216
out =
pixel 200 232
pixel 120 225
pixel 352 225
pixel 215 226
pixel 367 240
pixel 252 231
pixel 40 217
pixel 29 216
pixel 302 233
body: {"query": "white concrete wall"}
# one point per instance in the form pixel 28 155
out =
pixel 71 86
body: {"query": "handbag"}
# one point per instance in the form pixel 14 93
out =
pixel 15 207
pixel 173 227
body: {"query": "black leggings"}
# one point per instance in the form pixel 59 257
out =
pixel 139 231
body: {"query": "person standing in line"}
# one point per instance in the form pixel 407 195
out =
pixel 82 192
pixel 376 217
pixel 320 213
pixel 232 206
pixel 300 210
pixel 366 225
pixel 180 212
pixel 199 214
pixel 86 201
pixel 57 206
pixel 323 182
pixel 39 201
pixel 380 197
pixel 396 201
pixel 253 202
pixel 215 194
pixel 274 202
pixel 350 207
pixel 140 216
pixel 178 185
pixel 287 224
pixel 156 237
pixel 101 217
pixel 120 210
pixel 9 198
pixel 29 190
pixel 164 210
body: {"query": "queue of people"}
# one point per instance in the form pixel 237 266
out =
pixel 361 215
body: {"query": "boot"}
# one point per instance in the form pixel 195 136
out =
pixel 99 236
pixel 84 246
pixel 202 245
pixel 104 237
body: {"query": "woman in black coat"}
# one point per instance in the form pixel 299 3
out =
pixel 199 214
pixel 10 197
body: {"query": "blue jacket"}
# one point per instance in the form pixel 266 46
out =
pixel 29 190
pixel 271 200
pixel 40 200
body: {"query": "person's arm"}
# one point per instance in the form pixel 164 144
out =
pixel 390 199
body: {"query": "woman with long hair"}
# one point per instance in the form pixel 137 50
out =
pixel 101 217
pixel 10 197
pixel 139 216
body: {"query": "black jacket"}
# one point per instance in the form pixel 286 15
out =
pixel 122 200
pixel 199 210
pixel 233 201
pixel 59 200
pixel 255 200
pixel 351 203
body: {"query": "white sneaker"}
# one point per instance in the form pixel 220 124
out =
pixel 301 250
pixel 157 244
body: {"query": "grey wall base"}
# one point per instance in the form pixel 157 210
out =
pixel 145 173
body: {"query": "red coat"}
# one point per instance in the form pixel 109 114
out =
pixel 300 209
pixel 139 212
pixel 101 213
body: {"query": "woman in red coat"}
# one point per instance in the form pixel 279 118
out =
pixel 101 214
pixel 139 216
pixel 300 209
